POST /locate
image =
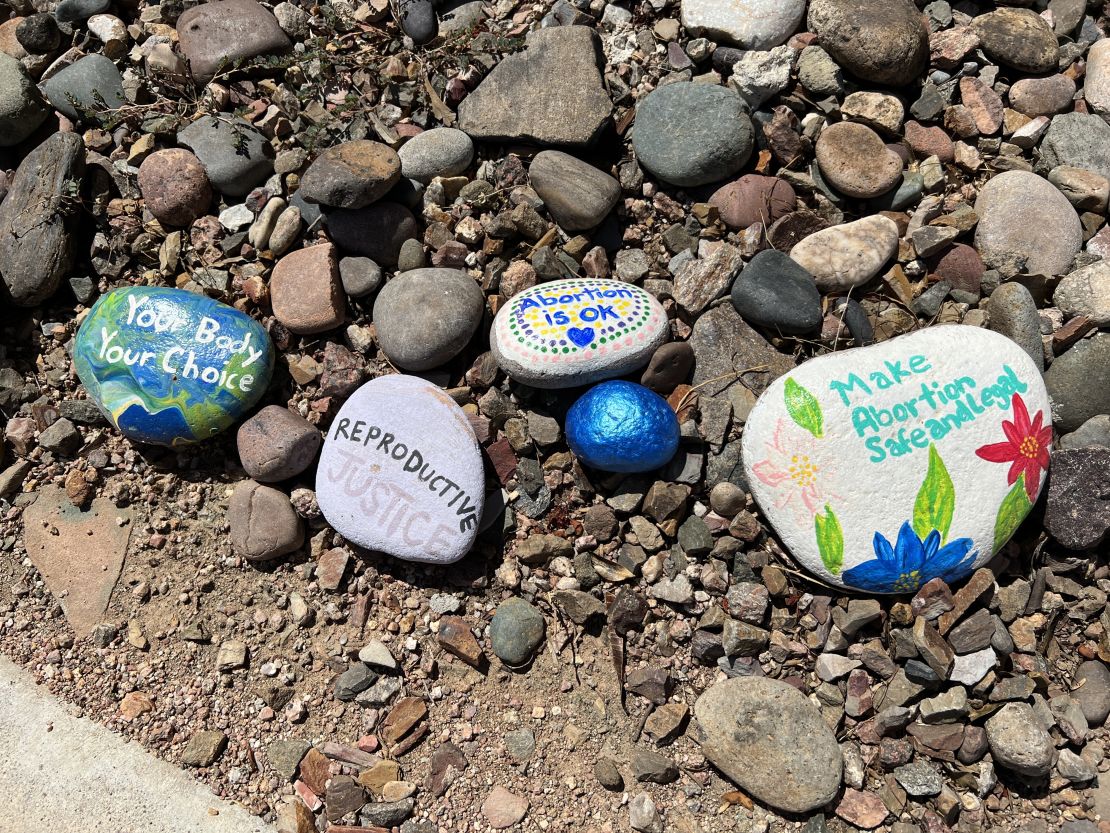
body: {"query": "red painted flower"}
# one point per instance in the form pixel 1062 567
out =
pixel 1026 448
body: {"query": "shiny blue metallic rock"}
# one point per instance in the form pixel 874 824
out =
pixel 622 427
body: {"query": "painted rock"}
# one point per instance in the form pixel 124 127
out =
pixel 568 333
pixel 171 367
pixel 884 467
pixel 622 427
pixel 401 472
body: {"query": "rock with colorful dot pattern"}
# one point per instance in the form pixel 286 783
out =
pixel 568 333
pixel 884 467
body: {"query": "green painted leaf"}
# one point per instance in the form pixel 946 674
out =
pixel 936 500
pixel 830 540
pixel 1015 506
pixel 804 408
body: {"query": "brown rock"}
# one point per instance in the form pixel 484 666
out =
pixel 315 769
pixel 932 647
pixel 455 636
pixel 295 817
pixel 1042 96
pixel 984 103
pixel 961 266
pixel 204 748
pixel 753 199
pixel 402 718
pixel 668 367
pixel 855 161
pixel 785 232
pixel 864 810
pixel 1018 38
pixel 330 569
pixel 503 809
pixel 375 778
pixel 216 34
pixel 54 530
pixel 929 141
pixel 276 444
pixel 949 47
pixel 135 703
pixel 175 186
pixel 305 290
pixel 351 174
pixel 8 42
pixel 263 523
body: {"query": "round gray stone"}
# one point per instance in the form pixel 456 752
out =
pixel 748 719
pixel 1078 383
pixel 21 106
pixel 1081 140
pixel 73 11
pixel 1093 432
pixel 577 194
pixel 1086 292
pixel 1093 693
pixel 1012 311
pixel 426 317
pixel 360 276
pixel 1026 226
pixel 516 631
pixel 692 134
pixel 377 231
pixel 1019 742
pixel 443 151
pixel 88 82
pixel 234 154
pixel 775 292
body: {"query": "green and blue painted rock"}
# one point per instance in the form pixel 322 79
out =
pixel 171 367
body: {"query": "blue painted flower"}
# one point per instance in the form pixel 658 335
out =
pixel 911 562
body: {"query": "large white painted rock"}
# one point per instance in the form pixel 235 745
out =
pixel 884 467
pixel 569 333
pixel 401 472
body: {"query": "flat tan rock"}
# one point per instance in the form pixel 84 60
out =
pixel 79 553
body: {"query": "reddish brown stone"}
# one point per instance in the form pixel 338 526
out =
pixel 315 769
pixel 961 266
pixel 305 290
pixel 175 186
pixel 753 199
pixel 455 637
pixel 949 47
pixel 929 141
pixel 984 103
pixel 330 569
pixel 402 718
pixel 864 810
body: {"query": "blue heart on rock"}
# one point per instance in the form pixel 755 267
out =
pixel 581 336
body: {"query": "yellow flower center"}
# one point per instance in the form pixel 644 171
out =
pixel 1029 447
pixel 908 581
pixel 802 471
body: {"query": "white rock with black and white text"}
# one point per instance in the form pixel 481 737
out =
pixel 401 472
pixel 884 467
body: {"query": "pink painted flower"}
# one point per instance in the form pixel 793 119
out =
pixel 794 469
